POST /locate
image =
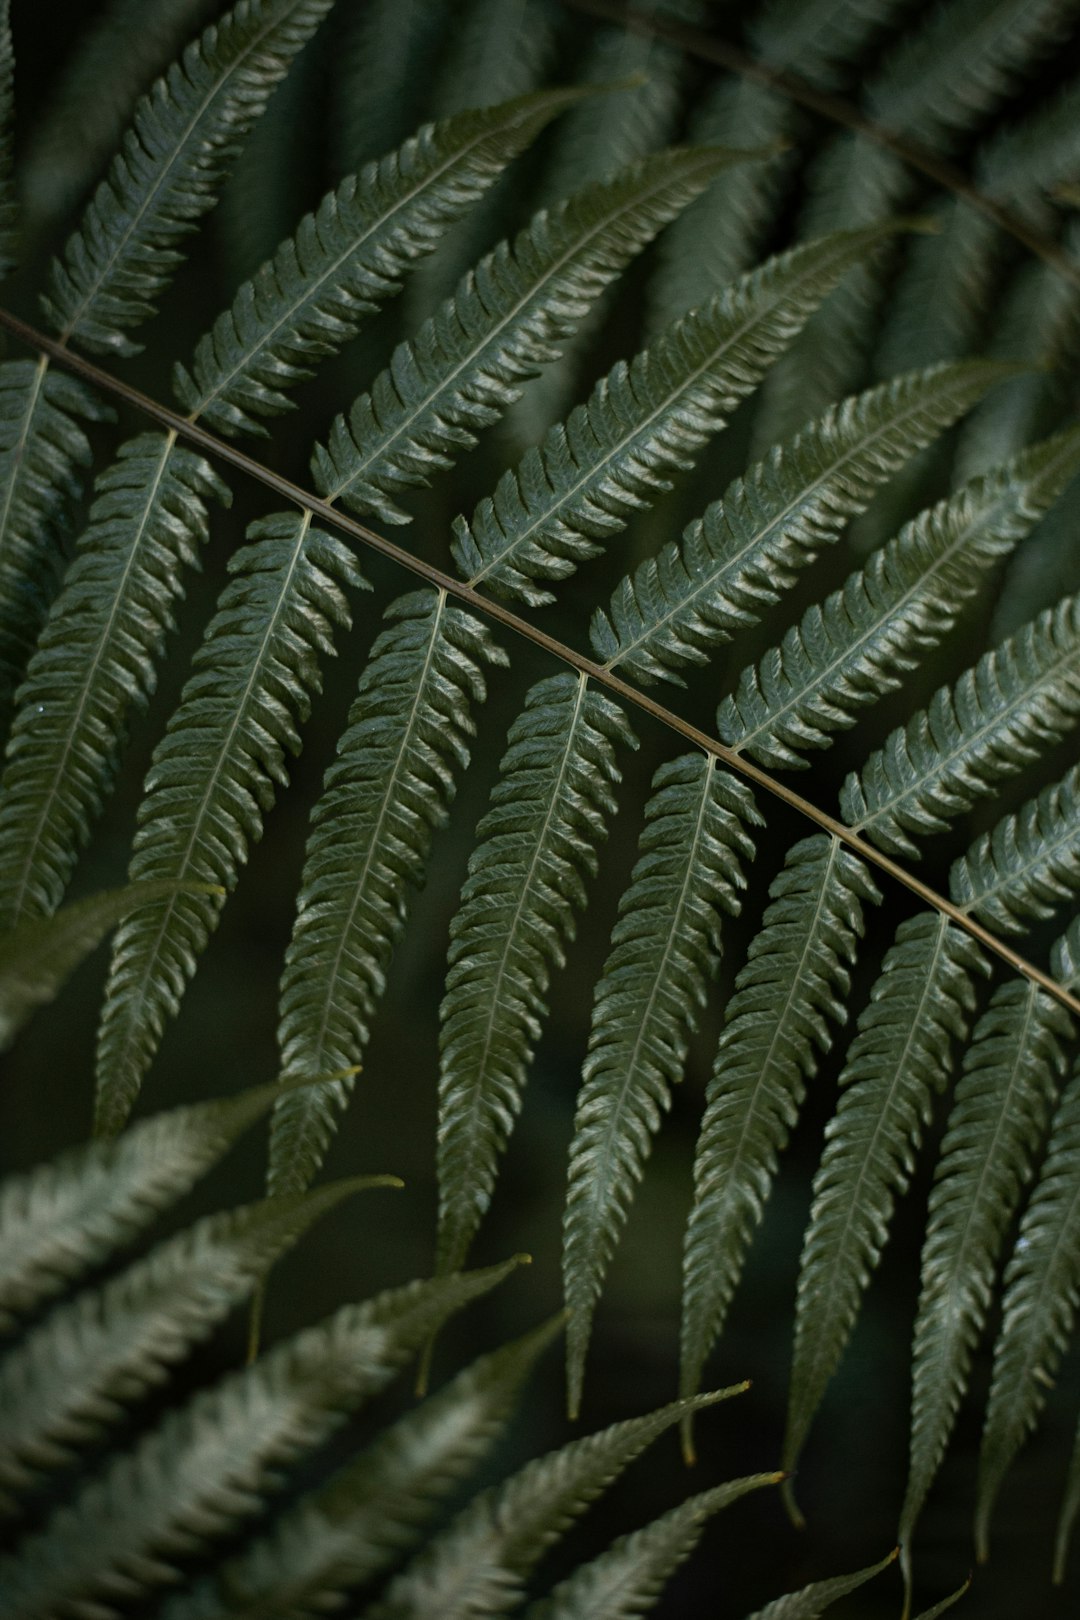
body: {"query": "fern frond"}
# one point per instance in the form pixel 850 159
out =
pixel 735 559
pixel 387 52
pixel 999 716
pixel 9 207
pixel 509 315
pixel 938 1609
pixel 88 1363
pixel 206 1468
pixel 40 954
pixel 96 659
pixel 814 1599
pixel 478 1564
pixel 536 845
pixel 858 643
pixel 791 990
pixel 407 739
pixel 185 132
pixel 901 1056
pixel 347 257
pixel 642 421
pixel 665 948
pixel 1041 1291
pixel 1028 864
pixel 995 1130
pixel 42 444
pixel 627 1579
pixel 350 1529
pixel 237 720
pixel 62 1218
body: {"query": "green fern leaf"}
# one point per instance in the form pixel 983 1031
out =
pixel 995 1130
pixel 38 956
pixel 1040 1297
pixel 390 789
pixel 42 443
pixel 478 1564
pixel 206 1468
pixel 536 846
pixel 238 719
pixel 61 1219
pixel 629 1577
pixel 901 1055
pixel 946 1603
pixel 1028 864
pixel 510 314
pixel 665 948
pixel 643 420
pixel 96 659
pixel 88 1363
pixel 9 207
pixel 999 716
pixel 388 54
pixel 814 1599
pixel 857 645
pixel 352 1528
pixel 745 549
pixel 349 256
pixel 793 987
pixel 184 134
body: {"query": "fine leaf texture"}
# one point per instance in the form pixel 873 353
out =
pixel 858 644
pixel 792 989
pixel 209 1465
pixel 90 1362
pixel 629 1577
pixel 665 949
pixel 238 720
pixel 536 846
pixel 62 1218
pixel 406 742
pixel 994 1133
pixel 469 362
pixel 644 420
pixel 478 1564
pixel 96 660
pixel 733 562
pixel 373 1509
pixel 901 1056
pixel 1027 865
pixel 185 132
pixel 346 258
pixel 999 716
pixel 814 1599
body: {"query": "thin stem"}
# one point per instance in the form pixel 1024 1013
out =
pixel 307 502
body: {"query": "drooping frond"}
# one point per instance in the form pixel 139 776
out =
pixel 391 787
pixel 236 723
pixel 76 1375
pixel 643 421
pixel 368 1513
pixel 665 949
pixel 536 846
pixel 509 315
pixel 185 132
pixel 62 1218
pixel 733 561
pixel 999 715
pixel 790 992
pixel 856 646
pixel 40 954
pixel 208 1465
pixel 900 1058
pixel 1028 864
pixel 478 1564
pixel 627 1579
pixel 9 207
pixel 346 258
pixel 814 1599
pixel 42 444
pixel 97 658
pixel 1041 1292
pixel 995 1130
